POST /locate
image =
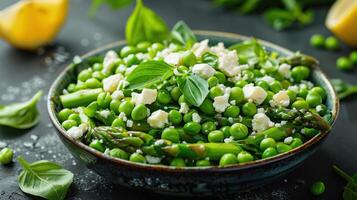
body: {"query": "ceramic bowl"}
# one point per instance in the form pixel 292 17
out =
pixel 194 180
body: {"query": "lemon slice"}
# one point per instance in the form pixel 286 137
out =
pixel 29 24
pixel 342 21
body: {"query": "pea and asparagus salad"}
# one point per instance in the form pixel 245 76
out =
pixel 183 102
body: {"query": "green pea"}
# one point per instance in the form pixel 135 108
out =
pixel 317 188
pixel 317 40
pixel 303 91
pixel 215 136
pixel 188 59
pixel 221 77
pixel 282 147
pixel 203 163
pixel 143 46
pixel 226 131
pixel 192 128
pixel 97 67
pixel 85 75
pixel 93 83
pixel 207 107
pixel 175 93
pixel 75 117
pixel 269 97
pixel 97 145
pixel 182 99
pixel 6 155
pixel 313 99
pixel 331 43
pixel 208 127
pixel 67 124
pixel 224 121
pixel 276 86
pixel 131 60
pixel 249 109
pixel 269 152
pixel 300 104
pixel 127 50
pixel 266 143
pixel 239 131
pixel 321 109
pixel 114 106
pixel 187 117
pixel 137 157
pixel 296 143
pixel 126 107
pixel 215 92
pixel 228 159
pixel 171 134
pixel 163 97
pixel 344 63
pixel 118 123
pixel 71 87
pixel 300 73
pixel 241 83
pixel 139 112
pixel 98 75
pixel 80 86
pixel 257 73
pixel 236 94
pixel 212 81
pixel 231 111
pixel 104 100
pixel 291 94
pixel 244 157
pixel 118 153
pixel 175 117
pixel 285 84
pixel 178 162
pixel 64 114
pixel 263 84
pixel 353 57
pixel 320 91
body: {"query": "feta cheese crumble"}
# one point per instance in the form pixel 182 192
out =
pixel 254 93
pixel 158 119
pixel 111 57
pixel 147 96
pixel 261 122
pixel 280 99
pixel 184 108
pixel 200 48
pixel 228 64
pixel 196 118
pixel 111 83
pixel 77 132
pixel 221 103
pixel 284 69
pixel 203 70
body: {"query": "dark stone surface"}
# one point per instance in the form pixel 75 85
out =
pixel 22 74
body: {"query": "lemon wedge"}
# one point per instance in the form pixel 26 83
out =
pixel 30 24
pixel 342 21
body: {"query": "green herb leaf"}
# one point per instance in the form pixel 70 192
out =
pixel 145 25
pixel 149 73
pixel 194 88
pixel 250 50
pixel 45 179
pixel 182 34
pixel 344 89
pixel 350 192
pixel 279 19
pixel 21 115
pixel 114 4
pixel 210 59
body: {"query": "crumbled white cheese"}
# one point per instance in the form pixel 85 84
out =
pixel 184 108
pixel 159 142
pixel 174 58
pixel 294 88
pixel 229 139
pixel 147 96
pixel 158 119
pixel 122 116
pixel 152 159
pixel 260 110
pixel 219 49
pixel 228 64
pixel 104 113
pixel 200 48
pixel 267 79
pixel 203 70
pixel 117 95
pixel 288 140
pixel 111 83
pixel 77 132
pixel 280 99
pixel 254 93
pixel 111 57
pixel 196 118
pixel 261 122
pixel 221 103
pixel 129 123
pixel 319 108
pixel 284 69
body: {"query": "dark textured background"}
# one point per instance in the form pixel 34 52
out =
pixel 22 74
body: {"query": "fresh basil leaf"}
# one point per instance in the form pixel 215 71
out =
pixel 250 50
pixel 21 115
pixel 210 59
pixel 145 25
pixel 114 4
pixel 45 179
pixel 279 19
pixel 149 73
pixel 182 34
pixel 249 6
pixel 194 88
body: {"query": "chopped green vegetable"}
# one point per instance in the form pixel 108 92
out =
pixel 344 89
pixel 350 192
pixel 45 179
pixel 21 115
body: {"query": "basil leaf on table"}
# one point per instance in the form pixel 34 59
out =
pixel 182 34
pixel 145 25
pixel 114 4
pixel 149 73
pixel 21 115
pixel 194 88
pixel 350 192
pixel 210 59
pixel 279 19
pixel 45 179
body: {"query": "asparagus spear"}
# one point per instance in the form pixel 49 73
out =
pixel 79 98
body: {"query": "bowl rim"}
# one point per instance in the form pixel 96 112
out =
pixel 239 166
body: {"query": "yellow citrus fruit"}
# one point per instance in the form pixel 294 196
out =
pixel 30 24
pixel 342 21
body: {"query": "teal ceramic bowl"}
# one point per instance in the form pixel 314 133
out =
pixel 188 181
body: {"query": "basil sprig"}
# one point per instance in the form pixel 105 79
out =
pixel 45 179
pixel 145 25
pixel 149 73
pixel 182 34
pixel 194 89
